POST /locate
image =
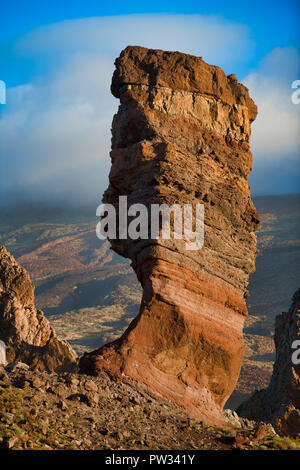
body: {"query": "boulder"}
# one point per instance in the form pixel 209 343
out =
pixel 26 332
pixel 182 136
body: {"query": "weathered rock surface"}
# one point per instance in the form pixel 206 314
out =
pixel 279 404
pixel 26 332
pixel 181 135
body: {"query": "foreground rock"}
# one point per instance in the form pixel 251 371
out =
pixel 69 411
pixel 279 404
pixel 26 332
pixel 182 135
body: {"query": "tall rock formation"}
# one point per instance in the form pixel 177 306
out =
pixel 26 332
pixel 181 135
pixel 279 404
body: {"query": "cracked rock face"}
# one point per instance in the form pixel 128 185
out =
pixel 26 332
pixel 279 404
pixel 181 136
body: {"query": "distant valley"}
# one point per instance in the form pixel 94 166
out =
pixel 90 294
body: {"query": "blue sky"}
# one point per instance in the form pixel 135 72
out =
pixel 57 60
pixel 272 23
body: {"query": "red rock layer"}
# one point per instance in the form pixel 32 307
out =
pixel 181 135
pixel 26 332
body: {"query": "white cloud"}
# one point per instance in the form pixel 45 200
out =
pixel 55 132
pixel 275 133
pixel 208 35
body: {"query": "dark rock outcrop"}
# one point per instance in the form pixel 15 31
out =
pixel 26 332
pixel 279 404
pixel 181 135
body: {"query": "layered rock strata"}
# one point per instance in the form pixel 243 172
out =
pixel 181 136
pixel 26 332
pixel 279 404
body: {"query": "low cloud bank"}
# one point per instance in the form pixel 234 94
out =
pixel 55 131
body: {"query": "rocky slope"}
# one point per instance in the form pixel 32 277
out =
pixel 41 411
pixel 181 135
pixel 279 404
pixel 26 332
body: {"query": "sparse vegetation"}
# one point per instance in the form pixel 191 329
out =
pixel 40 411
